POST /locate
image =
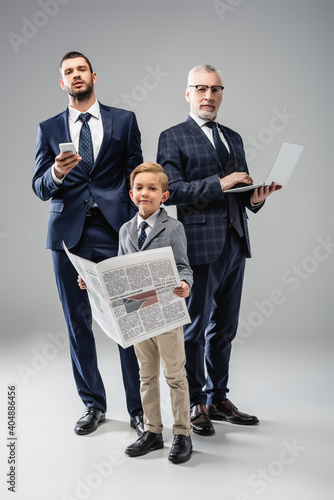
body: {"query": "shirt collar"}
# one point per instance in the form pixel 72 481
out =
pixel 150 220
pixel 94 110
pixel 200 122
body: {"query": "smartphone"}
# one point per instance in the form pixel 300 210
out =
pixel 67 146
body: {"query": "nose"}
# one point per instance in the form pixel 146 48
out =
pixel 208 95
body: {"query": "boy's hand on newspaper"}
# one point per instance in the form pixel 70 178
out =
pixel 81 283
pixel 183 290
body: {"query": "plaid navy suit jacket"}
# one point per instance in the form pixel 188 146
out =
pixel 193 168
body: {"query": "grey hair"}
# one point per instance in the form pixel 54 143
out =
pixel 204 67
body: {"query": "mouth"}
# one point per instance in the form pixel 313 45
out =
pixel 207 107
pixel 78 83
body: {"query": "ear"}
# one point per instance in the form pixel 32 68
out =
pixel 131 194
pixel 165 196
pixel 62 84
pixel 94 77
pixel 187 95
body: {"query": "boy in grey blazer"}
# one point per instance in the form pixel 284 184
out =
pixel 149 188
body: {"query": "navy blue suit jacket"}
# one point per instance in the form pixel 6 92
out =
pixel 193 168
pixel 120 153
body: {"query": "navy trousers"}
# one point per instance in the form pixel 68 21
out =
pixel 98 242
pixel 214 306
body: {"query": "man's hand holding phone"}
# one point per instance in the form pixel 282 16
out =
pixel 66 160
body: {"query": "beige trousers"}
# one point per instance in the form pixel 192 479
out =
pixel 169 348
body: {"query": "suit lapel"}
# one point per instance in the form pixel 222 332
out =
pixel 107 122
pixel 232 146
pixel 133 232
pixel 200 136
pixel 63 126
pixel 157 228
pixel 64 131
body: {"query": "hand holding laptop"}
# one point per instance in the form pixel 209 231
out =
pixel 261 193
pixel 278 175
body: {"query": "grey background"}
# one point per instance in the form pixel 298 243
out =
pixel 277 60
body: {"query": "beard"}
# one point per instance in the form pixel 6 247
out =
pixel 207 115
pixel 82 94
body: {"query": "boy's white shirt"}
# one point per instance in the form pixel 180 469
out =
pixel 150 221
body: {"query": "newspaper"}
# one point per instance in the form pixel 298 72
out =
pixel 131 296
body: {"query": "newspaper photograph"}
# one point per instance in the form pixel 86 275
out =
pixel 131 296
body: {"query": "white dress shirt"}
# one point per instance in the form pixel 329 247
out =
pixel 208 131
pixel 96 130
pixel 150 221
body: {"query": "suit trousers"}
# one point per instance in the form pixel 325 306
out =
pixel 169 348
pixel 98 242
pixel 214 306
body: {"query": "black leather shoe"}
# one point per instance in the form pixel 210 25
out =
pixel 200 421
pixel 228 412
pixel 89 421
pixel 149 441
pixel 181 449
pixel 137 423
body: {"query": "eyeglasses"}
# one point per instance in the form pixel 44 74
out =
pixel 216 90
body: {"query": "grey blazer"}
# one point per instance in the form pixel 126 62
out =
pixel 165 232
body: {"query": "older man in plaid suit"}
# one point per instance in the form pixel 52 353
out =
pixel 202 160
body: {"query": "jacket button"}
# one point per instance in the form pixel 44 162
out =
pixel 224 214
pixel 85 202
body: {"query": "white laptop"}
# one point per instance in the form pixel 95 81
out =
pixel 281 170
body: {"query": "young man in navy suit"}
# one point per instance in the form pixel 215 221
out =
pixel 89 203
pixel 202 160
